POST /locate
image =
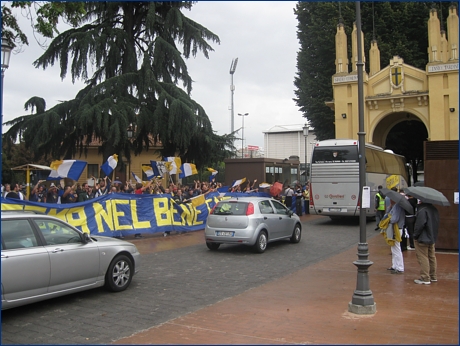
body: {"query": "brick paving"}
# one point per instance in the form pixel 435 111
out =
pixel 310 306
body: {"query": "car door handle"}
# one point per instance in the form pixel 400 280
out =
pixel 4 256
pixel 281 218
pixel 57 250
pixel 265 218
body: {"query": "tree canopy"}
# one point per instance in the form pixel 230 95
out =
pixel 136 52
pixel 400 28
pixel 43 15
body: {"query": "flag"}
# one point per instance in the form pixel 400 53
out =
pixel 198 200
pixel 173 164
pixel 110 164
pixel 71 169
pixel 136 178
pixel 264 185
pixel 213 173
pixel 238 182
pixel 187 170
pixel 159 168
pixel 148 172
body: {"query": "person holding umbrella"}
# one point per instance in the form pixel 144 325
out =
pixel 394 227
pixel 426 231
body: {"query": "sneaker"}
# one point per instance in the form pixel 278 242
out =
pixel 396 272
pixel 376 228
pixel 434 280
pixel 421 282
pixel 391 268
pixel 410 248
pixel 138 235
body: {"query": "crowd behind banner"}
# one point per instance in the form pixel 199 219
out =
pixel 111 214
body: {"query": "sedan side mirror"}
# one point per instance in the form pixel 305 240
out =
pixel 86 238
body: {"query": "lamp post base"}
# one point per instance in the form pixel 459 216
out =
pixel 362 309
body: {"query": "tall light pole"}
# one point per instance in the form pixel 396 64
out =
pixel 362 301
pixel 130 133
pixel 305 133
pixel 232 91
pixel 242 134
pixel 6 54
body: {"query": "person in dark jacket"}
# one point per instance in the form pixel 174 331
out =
pixel 425 236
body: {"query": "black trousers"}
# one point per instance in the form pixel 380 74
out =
pixel 288 201
pixel 409 224
pixel 298 206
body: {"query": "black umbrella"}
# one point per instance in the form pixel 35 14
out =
pixel 399 199
pixel 428 195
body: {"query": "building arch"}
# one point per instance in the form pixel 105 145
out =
pixel 388 120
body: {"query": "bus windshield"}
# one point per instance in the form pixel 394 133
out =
pixel 334 154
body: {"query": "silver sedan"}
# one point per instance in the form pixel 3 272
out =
pixel 253 221
pixel 44 257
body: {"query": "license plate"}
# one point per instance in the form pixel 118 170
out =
pixel 335 209
pixel 224 234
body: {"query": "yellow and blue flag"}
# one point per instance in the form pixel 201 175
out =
pixel 71 169
pixel 110 164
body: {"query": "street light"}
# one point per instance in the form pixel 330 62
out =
pixel 242 134
pixel 362 301
pixel 305 133
pixel 232 90
pixel 130 133
pixel 6 54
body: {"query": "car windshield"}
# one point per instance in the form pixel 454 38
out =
pixel 230 208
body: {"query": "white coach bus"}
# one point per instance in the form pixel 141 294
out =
pixel 334 177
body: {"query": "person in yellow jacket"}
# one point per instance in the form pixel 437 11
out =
pixel 392 234
pixel 379 207
pixel 306 198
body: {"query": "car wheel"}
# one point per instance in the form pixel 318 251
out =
pixel 261 242
pixel 296 234
pixel 119 274
pixel 212 246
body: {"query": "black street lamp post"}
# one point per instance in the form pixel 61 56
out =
pixel 305 133
pixel 6 54
pixel 362 301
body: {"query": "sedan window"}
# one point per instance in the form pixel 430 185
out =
pixel 230 208
pixel 56 232
pixel 17 234
pixel 280 208
pixel 265 207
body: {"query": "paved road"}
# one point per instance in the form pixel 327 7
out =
pixel 173 283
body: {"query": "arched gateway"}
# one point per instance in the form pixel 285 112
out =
pixel 420 105
pixel 400 92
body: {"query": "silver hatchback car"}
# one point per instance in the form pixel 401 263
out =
pixel 253 221
pixel 44 257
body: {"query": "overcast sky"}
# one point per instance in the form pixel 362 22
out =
pixel 262 35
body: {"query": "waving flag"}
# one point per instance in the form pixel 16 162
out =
pixel 173 164
pixel 213 173
pixel 238 182
pixel 110 164
pixel 71 169
pixel 264 185
pixel 159 168
pixel 148 172
pixel 187 170
pixel 198 200
pixel 136 178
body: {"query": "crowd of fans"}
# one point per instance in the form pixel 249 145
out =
pixel 83 192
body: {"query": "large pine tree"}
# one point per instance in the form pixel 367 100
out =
pixel 136 51
pixel 400 28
